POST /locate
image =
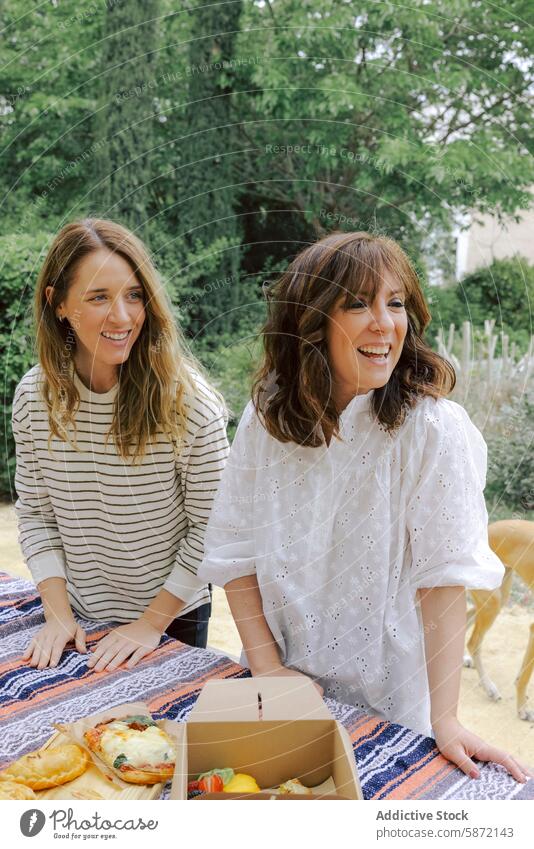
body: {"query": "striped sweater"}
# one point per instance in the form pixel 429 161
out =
pixel 117 532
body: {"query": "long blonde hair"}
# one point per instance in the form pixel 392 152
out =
pixel 160 370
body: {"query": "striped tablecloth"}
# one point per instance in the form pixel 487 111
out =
pixel 393 762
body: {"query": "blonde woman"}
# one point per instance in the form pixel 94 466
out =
pixel 120 445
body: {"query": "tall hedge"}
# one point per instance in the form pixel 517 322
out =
pixel 208 183
pixel 21 258
pixel 125 117
pixel 510 479
pixel 503 291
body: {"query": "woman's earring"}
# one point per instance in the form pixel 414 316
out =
pixel 61 318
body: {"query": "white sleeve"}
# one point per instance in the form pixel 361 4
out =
pixel 229 544
pixel 446 514
pixel 39 535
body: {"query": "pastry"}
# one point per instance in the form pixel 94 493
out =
pixel 48 767
pixel 139 751
pixel 294 787
pixel 14 790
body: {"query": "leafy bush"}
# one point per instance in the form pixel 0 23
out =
pixel 22 256
pixel 446 309
pixel 503 291
pixel 511 458
pixel 231 366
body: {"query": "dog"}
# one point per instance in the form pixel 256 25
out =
pixel 512 540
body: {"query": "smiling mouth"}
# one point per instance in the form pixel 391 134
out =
pixel 116 337
pixel 378 353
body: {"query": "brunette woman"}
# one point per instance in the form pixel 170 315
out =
pixel 351 516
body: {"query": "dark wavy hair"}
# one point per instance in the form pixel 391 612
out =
pixel 292 390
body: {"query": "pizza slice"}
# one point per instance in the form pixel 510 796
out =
pixel 135 747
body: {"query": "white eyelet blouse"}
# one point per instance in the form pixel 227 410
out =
pixel 340 537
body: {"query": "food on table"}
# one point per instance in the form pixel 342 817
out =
pixel 193 787
pixel 226 774
pixel 14 790
pixel 135 747
pixel 48 767
pixel 222 780
pixel 192 794
pixel 241 783
pixel 86 794
pixel 294 787
pixel 225 780
pixel 211 784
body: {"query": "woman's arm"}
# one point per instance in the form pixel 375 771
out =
pixel 55 600
pixel 443 613
pixel 39 536
pixel 200 469
pixel 46 648
pixel 41 546
pixel 136 639
pixel 260 647
pixel 443 610
pixel 163 610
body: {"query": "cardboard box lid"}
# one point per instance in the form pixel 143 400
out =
pixel 280 698
pixel 226 716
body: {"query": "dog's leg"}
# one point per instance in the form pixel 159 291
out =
pixel 488 605
pixel 470 619
pixel 506 585
pixel 523 678
pixel 471 613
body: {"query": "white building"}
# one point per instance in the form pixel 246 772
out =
pixel 487 240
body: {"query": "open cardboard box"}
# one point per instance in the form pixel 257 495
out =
pixel 271 728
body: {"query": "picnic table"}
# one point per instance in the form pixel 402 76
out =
pixel 393 762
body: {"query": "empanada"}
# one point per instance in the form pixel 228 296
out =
pixel 138 751
pixel 13 790
pixel 49 767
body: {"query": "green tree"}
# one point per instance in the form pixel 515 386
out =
pixel 48 64
pixel 22 256
pixel 503 291
pixel 385 116
pixel 125 115
pixel 206 185
pixel 510 479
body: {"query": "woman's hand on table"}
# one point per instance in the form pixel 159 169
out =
pixel 46 648
pixel 134 641
pixel 282 671
pixel 459 745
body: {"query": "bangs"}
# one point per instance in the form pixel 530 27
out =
pixel 369 265
pixel 329 274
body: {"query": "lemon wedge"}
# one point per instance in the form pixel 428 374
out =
pixel 241 783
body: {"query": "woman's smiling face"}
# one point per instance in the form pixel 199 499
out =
pixel 380 325
pixel 105 306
